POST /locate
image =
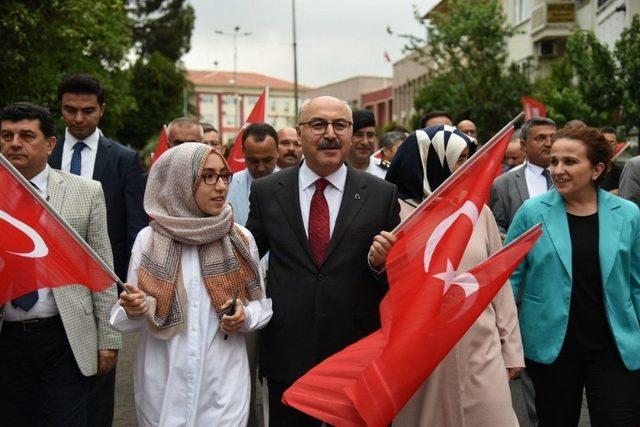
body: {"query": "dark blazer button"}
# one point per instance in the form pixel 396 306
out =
pixel 320 277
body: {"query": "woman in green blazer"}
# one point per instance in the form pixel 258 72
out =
pixel 579 290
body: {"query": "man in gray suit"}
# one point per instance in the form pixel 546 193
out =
pixel 630 181
pixel 510 190
pixel 53 339
pixel 530 179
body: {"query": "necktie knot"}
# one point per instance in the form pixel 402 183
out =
pixel 79 146
pixel 321 184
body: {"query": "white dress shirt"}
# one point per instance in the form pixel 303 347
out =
pixel 46 304
pixel 88 154
pixel 375 169
pixel 333 193
pixel 536 182
pixel 196 377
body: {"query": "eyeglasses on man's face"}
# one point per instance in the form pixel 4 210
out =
pixel 361 135
pixel 211 178
pixel 319 126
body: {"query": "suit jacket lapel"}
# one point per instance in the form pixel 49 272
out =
pixel 353 199
pixel 557 227
pixel 102 157
pixel 609 230
pixel 521 184
pixel 56 191
pixel 288 196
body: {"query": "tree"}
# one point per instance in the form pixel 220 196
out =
pixel 44 41
pixel 466 47
pixel 626 53
pixel 584 84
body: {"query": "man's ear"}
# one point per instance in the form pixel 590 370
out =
pixel 51 144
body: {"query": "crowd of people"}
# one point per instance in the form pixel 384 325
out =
pixel 243 281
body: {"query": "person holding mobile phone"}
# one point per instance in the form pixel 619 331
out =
pixel 195 288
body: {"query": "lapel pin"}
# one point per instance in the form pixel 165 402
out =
pixel 357 196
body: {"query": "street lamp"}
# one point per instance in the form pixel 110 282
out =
pixel 236 33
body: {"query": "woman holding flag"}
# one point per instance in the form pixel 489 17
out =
pixel 195 288
pixel 580 288
pixel 470 386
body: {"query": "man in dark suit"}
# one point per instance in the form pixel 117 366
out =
pixel 86 152
pixel 318 220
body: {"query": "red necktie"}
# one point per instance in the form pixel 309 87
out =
pixel 319 222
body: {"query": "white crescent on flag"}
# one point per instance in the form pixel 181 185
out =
pixel 468 209
pixel 40 248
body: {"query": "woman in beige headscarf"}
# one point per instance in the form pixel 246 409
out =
pixel 470 387
pixel 187 269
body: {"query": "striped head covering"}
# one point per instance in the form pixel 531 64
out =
pixel 426 159
pixel 226 263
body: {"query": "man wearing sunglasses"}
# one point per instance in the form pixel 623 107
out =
pixel 318 219
pixel 364 143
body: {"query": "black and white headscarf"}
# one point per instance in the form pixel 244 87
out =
pixel 426 159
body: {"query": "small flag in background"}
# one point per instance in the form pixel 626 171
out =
pixel 533 108
pixel 257 115
pixel 387 57
pixel 162 146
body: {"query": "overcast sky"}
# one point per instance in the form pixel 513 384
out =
pixel 337 39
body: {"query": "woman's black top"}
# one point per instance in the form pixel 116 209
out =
pixel 588 333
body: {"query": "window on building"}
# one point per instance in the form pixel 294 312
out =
pixel 521 10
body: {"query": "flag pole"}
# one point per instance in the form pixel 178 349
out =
pixel 461 170
pixel 25 183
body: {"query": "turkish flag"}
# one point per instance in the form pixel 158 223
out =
pixel 619 148
pixel 428 302
pixel 161 146
pixel 533 108
pixel 37 248
pixel 257 115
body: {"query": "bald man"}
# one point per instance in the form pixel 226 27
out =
pixel 469 128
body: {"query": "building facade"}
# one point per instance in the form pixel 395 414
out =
pixel 216 103
pixel 350 89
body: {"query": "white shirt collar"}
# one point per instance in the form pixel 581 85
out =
pixel 42 180
pixel 91 141
pixel 535 169
pixel 309 177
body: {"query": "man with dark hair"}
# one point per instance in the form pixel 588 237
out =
pixel 364 143
pixel 86 152
pixel 211 136
pixel 436 117
pixel 289 148
pixel 184 129
pixel 611 180
pixel 53 339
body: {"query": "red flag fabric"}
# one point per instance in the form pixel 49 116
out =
pixel 428 302
pixel 258 115
pixel 36 249
pixel 533 108
pixel 161 147
pixel 619 148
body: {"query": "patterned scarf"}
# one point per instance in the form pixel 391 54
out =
pixel 225 259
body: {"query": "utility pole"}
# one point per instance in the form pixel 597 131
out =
pixel 234 35
pixel 295 59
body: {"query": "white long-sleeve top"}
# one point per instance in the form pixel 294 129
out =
pixel 194 378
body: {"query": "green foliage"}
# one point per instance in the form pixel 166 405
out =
pixel 45 40
pixel 157 85
pixel 627 53
pixel 466 49
pixel 583 84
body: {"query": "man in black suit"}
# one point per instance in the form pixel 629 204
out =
pixel 86 152
pixel 318 220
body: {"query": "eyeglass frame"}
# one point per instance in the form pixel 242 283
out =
pixel 326 126
pixel 218 176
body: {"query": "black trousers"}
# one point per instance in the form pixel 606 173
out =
pixel 281 415
pixel 102 390
pixel 40 382
pixel 613 392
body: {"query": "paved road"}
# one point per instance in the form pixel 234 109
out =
pixel 125 412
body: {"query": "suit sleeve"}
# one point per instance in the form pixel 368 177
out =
pixel 499 208
pixel 630 182
pixel 518 226
pixel 134 197
pixel 254 222
pixel 504 306
pixel 98 239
